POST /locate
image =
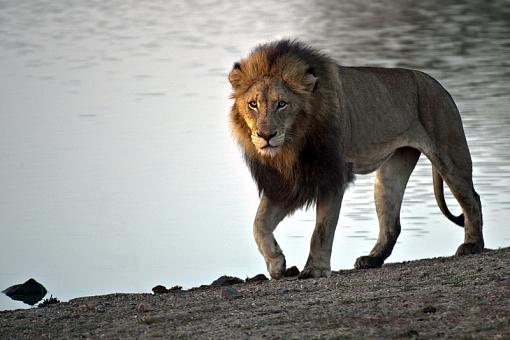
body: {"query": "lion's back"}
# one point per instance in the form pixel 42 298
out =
pixel 378 97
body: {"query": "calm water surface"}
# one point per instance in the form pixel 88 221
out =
pixel 117 168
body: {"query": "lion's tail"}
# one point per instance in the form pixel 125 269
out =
pixel 439 193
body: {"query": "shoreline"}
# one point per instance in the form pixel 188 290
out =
pixel 443 297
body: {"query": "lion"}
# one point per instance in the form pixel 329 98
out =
pixel 307 125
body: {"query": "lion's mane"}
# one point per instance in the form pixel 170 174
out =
pixel 311 165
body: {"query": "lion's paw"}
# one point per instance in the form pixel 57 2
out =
pixel 311 272
pixel 469 248
pixel 276 266
pixel 367 262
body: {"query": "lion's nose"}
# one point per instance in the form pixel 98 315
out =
pixel 266 136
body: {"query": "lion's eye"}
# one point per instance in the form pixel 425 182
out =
pixel 282 104
pixel 252 104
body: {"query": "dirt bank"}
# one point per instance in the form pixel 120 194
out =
pixel 442 297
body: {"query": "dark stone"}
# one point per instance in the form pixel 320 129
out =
pixel 291 272
pixel 200 288
pixel 229 293
pixel 256 278
pixel 159 289
pixel 412 334
pixel 226 281
pixel 429 309
pixel 29 292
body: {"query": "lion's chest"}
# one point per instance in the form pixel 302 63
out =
pixel 317 171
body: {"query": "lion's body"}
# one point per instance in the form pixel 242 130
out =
pixel 384 121
pixel 336 121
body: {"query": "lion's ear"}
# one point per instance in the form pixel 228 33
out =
pixel 310 81
pixel 234 77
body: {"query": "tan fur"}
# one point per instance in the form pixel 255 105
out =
pixel 337 121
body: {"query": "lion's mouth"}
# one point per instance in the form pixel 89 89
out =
pixel 268 150
pixel 269 146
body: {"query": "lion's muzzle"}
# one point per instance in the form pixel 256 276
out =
pixel 267 144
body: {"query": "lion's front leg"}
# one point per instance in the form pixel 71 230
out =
pixel 268 216
pixel 318 263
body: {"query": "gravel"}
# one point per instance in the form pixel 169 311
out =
pixel 453 297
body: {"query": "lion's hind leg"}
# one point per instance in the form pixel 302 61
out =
pixel 457 174
pixel 390 183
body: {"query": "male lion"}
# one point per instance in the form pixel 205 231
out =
pixel 307 125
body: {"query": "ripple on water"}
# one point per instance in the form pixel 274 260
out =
pixel 120 52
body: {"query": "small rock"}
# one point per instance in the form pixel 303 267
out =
pixel 429 309
pixel 412 334
pixel 141 308
pixel 291 272
pixel 100 308
pixel 229 293
pixel 30 287
pixel 30 292
pixel 201 287
pixel 283 291
pixel 159 289
pixel 226 280
pixel 84 308
pixel 256 278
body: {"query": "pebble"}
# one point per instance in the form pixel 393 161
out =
pixel 229 293
pixel 84 307
pixel 226 280
pixel 159 289
pixel 429 309
pixel 291 272
pixel 257 278
pixel 141 308
pixel 412 334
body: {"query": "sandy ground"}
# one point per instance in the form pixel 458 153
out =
pixel 466 297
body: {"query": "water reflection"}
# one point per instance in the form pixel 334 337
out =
pixel 115 149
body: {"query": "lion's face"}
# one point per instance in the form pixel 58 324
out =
pixel 269 100
pixel 269 109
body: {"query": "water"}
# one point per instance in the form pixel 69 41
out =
pixel 117 168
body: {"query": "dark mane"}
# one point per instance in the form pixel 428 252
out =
pixel 277 49
pixel 319 170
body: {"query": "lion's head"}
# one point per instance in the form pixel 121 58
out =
pixel 285 119
pixel 272 89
